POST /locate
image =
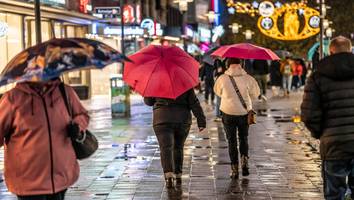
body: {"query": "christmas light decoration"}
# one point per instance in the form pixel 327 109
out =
pixel 289 13
pixel 291 28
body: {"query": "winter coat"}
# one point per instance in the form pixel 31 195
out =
pixel 230 102
pixel 177 111
pixel 275 75
pixel 260 67
pixel 39 157
pixel 328 106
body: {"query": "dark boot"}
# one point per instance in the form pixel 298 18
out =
pixel 244 166
pixel 169 182
pixel 179 179
pixel 234 171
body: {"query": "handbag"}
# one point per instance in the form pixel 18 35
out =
pixel 251 115
pixel 88 144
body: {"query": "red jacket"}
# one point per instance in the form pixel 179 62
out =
pixel 39 157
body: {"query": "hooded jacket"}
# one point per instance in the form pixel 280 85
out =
pixel 230 102
pixel 177 110
pixel 328 106
pixel 39 157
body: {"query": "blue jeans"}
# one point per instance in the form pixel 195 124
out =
pixel 287 80
pixel 335 174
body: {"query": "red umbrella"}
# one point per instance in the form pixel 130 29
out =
pixel 245 51
pixel 161 71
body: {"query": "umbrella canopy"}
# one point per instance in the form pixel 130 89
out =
pixel 245 51
pixel 207 56
pixel 315 48
pixel 50 59
pixel 161 71
pixel 283 53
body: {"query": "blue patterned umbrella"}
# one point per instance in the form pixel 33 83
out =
pixel 50 59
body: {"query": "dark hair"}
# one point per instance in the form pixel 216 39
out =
pixel 231 61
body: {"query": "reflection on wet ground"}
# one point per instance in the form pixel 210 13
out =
pixel 283 163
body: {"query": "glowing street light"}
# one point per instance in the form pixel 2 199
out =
pixel 248 34
pixel 235 27
pixel 211 16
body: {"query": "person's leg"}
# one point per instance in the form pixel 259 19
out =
pixel 212 92
pixel 243 139
pixel 351 179
pixel 206 91
pixel 334 174
pixel 264 84
pixel 217 106
pixel 165 137
pixel 230 128
pixel 180 136
pixel 284 81
pixel 259 81
pixel 290 78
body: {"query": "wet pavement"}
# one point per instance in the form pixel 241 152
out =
pixel 284 162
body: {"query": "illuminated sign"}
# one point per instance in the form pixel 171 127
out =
pixel 128 30
pixel 151 27
pixel 83 6
pixel 218 32
pixel 128 14
pixel 107 12
pixel 54 2
pixel 3 29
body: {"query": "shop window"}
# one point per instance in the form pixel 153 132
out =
pixel 11 37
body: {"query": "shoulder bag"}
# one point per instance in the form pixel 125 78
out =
pixel 251 115
pixel 88 144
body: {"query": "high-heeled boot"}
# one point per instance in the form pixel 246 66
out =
pixel 169 179
pixel 244 166
pixel 234 171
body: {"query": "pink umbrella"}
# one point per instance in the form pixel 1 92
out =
pixel 161 71
pixel 245 51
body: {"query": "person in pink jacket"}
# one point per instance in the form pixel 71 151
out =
pixel 40 162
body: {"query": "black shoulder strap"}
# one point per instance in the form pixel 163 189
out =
pixel 65 97
pixel 238 92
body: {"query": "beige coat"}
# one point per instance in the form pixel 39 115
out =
pixel 230 102
pixel 39 157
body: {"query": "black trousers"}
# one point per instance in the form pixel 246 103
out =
pixel 236 125
pixel 56 196
pixel 209 89
pixel 171 139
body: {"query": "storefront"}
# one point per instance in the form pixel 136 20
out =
pixel 17 32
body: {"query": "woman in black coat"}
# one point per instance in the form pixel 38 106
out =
pixel 275 77
pixel 172 120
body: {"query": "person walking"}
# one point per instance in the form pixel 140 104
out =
pixel 171 122
pixel 286 71
pixel 275 77
pixel 220 70
pixel 328 112
pixel 207 75
pixel 234 115
pixel 261 71
pixel 297 73
pixel 40 162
